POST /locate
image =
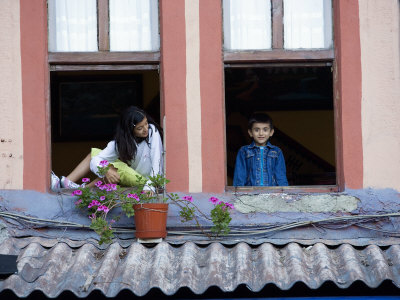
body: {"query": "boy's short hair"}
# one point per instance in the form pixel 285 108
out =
pixel 260 118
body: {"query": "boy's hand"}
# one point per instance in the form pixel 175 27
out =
pixel 112 175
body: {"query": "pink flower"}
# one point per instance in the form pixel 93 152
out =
pixel 103 208
pixel 112 221
pixel 213 200
pixel 76 192
pixel 133 196
pixel 85 180
pixel 104 163
pixel 229 205
pixel 94 203
pixel 188 198
pixel 110 187
pixel 92 216
pixel 98 183
pixel 102 198
pixel 78 202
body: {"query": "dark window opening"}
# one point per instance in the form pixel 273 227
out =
pixel 300 103
pixel 85 108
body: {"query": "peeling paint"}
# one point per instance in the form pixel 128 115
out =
pixel 3 233
pixel 271 203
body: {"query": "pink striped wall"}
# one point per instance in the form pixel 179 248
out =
pixel 35 95
pixel 173 89
pixel 348 94
pixel 173 74
pixel 212 97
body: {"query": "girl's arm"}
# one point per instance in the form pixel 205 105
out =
pixel 109 153
pixel 156 154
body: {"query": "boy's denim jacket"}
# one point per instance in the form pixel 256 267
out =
pixel 248 166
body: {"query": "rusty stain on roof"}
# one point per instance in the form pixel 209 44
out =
pixel 58 267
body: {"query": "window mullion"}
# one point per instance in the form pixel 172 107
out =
pixel 103 25
pixel 277 24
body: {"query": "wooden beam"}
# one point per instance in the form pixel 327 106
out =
pixel 277 24
pixel 280 65
pixel 278 55
pixel 103 21
pixel 131 67
pixel 90 58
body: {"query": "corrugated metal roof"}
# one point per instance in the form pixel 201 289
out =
pixel 54 257
pixel 58 266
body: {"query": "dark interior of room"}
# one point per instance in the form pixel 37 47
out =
pixel 299 100
pixel 85 107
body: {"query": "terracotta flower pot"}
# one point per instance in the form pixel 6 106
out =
pixel 151 220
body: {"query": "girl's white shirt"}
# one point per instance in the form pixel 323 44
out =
pixel 149 156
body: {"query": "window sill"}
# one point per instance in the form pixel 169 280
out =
pixel 284 189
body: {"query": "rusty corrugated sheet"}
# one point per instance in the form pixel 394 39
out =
pixel 57 266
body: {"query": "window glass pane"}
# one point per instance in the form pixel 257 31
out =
pixel 247 24
pixel 307 24
pixel 72 25
pixel 134 25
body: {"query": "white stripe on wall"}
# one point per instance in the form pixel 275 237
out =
pixel 11 123
pixel 380 107
pixel 193 100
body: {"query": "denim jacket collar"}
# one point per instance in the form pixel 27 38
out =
pixel 253 145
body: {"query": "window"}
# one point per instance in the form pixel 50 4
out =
pixel 115 25
pixel 307 24
pixel 248 24
pixel 103 56
pixel 278 57
pixel 85 108
pixel 134 25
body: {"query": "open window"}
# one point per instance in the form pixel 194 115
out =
pixel 85 108
pixel 104 56
pixel 279 59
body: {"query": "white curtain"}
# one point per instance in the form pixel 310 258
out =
pixel 247 24
pixel 72 25
pixel 307 24
pixel 134 25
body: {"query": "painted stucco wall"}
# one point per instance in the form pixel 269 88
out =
pixel 11 126
pixel 379 35
pixel 192 92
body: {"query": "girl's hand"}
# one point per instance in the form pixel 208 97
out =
pixel 112 175
pixel 149 193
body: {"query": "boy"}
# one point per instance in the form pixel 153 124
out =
pixel 260 163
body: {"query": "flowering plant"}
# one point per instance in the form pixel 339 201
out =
pixel 100 200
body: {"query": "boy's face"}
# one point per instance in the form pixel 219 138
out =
pixel 261 132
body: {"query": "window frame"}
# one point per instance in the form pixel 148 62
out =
pixel 103 59
pixel 103 56
pixel 279 56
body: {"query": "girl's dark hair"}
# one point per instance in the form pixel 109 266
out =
pixel 125 141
